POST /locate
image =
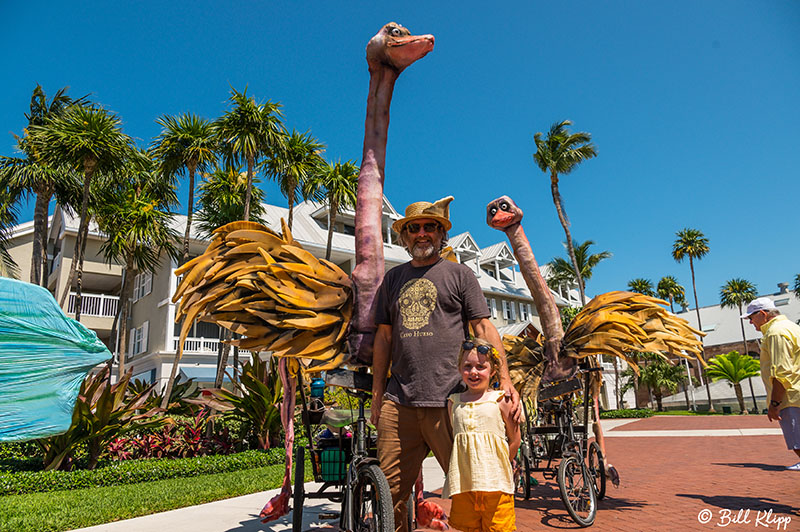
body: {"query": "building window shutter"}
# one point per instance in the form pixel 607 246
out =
pixel 494 308
pixel 147 283
pixel 136 283
pixel 522 311
pixel 513 305
pixel 530 311
pixel 505 309
pixel 131 342
pixel 145 331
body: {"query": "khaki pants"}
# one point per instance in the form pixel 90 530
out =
pixel 405 435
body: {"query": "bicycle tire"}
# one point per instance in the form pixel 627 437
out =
pixel 577 491
pixel 523 475
pixel 372 501
pixel 596 463
pixel 298 494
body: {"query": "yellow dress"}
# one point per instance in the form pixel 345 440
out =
pixel 479 461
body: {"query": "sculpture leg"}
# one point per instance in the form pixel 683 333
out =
pixel 611 471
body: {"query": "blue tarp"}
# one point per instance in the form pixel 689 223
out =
pixel 44 357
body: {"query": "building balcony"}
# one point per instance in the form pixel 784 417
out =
pixel 201 345
pixel 100 305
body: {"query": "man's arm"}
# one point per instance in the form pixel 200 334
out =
pixel 381 356
pixel 485 329
pixel 778 391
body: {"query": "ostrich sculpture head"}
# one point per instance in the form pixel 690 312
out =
pixel 502 213
pixel 394 46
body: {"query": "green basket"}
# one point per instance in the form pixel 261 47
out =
pixel 334 465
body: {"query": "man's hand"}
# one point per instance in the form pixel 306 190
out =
pixel 375 409
pixel 512 395
pixel 773 414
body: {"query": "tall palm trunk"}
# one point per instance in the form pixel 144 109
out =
pixel 290 198
pixel 700 328
pixel 45 231
pixel 124 309
pixel 739 397
pixel 39 235
pixel 616 384
pixel 248 190
pixel 745 353
pixel 565 224
pixel 76 268
pixel 332 210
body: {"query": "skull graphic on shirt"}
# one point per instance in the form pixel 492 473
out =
pixel 417 301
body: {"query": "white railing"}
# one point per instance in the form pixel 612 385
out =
pixel 201 345
pixel 94 305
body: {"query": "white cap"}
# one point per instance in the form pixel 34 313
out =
pixel 762 303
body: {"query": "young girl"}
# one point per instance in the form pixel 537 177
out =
pixel 480 480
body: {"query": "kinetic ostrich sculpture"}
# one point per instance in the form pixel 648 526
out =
pixel 611 324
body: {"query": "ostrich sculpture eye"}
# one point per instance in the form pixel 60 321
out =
pixel 396 32
pixel 493 211
pixel 505 206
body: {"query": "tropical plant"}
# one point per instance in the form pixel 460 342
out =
pixel 260 391
pixel 641 286
pixel 297 159
pixel 669 289
pixel 733 368
pixel 693 244
pixel 796 287
pixel 90 139
pixel 562 270
pixel 8 218
pixel 734 294
pixel 20 175
pixel 247 132
pixel 568 314
pixel 659 375
pixel 177 404
pixel 560 153
pixel 186 145
pixel 220 199
pixel 137 223
pixel 336 186
pixel 102 412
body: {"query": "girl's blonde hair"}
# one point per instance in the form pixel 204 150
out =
pixel 492 356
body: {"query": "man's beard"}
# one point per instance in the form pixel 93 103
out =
pixel 422 250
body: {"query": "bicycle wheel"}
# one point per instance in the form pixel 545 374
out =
pixel 596 463
pixel 577 492
pixel 299 489
pixel 522 475
pixel 372 501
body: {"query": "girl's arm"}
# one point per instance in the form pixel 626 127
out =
pixel 512 427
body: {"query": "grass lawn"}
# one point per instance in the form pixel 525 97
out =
pixel 67 510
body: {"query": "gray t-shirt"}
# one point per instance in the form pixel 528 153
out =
pixel 429 309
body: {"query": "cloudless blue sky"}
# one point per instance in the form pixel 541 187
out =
pixel 693 107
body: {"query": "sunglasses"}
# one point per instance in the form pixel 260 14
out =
pixel 482 349
pixel 430 227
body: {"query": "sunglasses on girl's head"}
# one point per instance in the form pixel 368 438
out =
pixel 430 227
pixel 482 349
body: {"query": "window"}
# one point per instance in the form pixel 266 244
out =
pixel 494 308
pixel 522 316
pixel 513 305
pixel 138 339
pixel 781 302
pixel 505 310
pixel 142 285
pixel 530 311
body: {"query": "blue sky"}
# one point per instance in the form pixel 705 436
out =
pixel 693 107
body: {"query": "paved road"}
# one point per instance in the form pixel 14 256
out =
pixel 672 468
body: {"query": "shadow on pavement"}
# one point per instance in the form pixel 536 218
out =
pixel 764 467
pixel 733 502
pixel 311 521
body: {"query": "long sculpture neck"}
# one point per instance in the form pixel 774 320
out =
pixel 542 298
pixel 369 269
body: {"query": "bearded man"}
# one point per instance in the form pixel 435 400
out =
pixel 424 309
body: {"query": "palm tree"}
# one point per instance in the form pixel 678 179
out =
pixel 560 153
pixel 335 185
pixel 32 173
pixel 734 368
pixel 186 144
pixel 669 289
pixel 693 244
pixel 296 161
pixel 659 375
pixel 90 139
pixel 796 287
pixel 734 294
pixel 562 270
pixel 136 221
pixel 247 132
pixel 221 200
pixel 8 218
pixel 641 286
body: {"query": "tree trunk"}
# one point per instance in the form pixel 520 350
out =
pixel 565 224
pixel 126 294
pixel 39 236
pixel 224 351
pixel 45 230
pixel 89 165
pixel 290 198
pixel 189 213
pixel 616 384
pixel 746 353
pixel 332 208
pixel 739 397
pixel 249 188
pixel 700 328
pixel 658 400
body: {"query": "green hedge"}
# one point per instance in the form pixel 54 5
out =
pixel 135 471
pixel 628 412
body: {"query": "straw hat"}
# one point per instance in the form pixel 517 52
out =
pixel 439 211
